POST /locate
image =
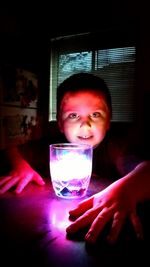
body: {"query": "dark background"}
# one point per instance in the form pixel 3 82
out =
pixel 26 30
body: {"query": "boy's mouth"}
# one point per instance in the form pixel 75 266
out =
pixel 85 137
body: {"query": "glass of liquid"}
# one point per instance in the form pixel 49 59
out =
pixel 70 169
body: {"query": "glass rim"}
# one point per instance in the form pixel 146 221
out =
pixel 70 145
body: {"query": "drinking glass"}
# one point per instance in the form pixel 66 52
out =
pixel 70 169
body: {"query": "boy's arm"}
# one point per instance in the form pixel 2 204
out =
pixel 20 174
pixel 115 203
pixel 13 156
pixel 137 182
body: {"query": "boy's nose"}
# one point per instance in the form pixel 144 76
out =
pixel 85 123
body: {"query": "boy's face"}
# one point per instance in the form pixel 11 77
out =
pixel 84 117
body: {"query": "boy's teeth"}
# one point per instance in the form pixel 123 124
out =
pixel 85 136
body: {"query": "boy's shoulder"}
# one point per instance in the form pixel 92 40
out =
pixel 122 140
pixel 53 134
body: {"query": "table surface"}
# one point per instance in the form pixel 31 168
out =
pixel 32 233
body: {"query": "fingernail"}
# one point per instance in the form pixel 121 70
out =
pixel 17 191
pixel 89 237
pixel 70 212
pixel 69 229
pixel 111 240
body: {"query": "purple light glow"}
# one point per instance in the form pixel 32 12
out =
pixel 59 213
pixel 70 168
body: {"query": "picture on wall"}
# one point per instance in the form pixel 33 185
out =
pixel 19 125
pixel 19 121
pixel 20 87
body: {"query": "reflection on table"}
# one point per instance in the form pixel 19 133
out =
pixel 32 230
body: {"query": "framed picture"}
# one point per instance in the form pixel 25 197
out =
pixel 18 126
pixel 18 106
pixel 19 87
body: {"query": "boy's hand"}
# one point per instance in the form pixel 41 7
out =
pixel 20 177
pixel 110 204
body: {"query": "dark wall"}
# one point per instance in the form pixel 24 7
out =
pixel 25 40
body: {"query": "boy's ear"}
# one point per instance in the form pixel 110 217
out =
pixel 60 125
pixel 108 125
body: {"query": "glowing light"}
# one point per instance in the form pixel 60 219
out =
pixel 70 167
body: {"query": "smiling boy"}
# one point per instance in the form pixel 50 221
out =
pixel 83 115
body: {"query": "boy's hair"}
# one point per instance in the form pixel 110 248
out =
pixel 79 82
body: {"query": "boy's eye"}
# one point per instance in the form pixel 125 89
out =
pixel 96 115
pixel 73 116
